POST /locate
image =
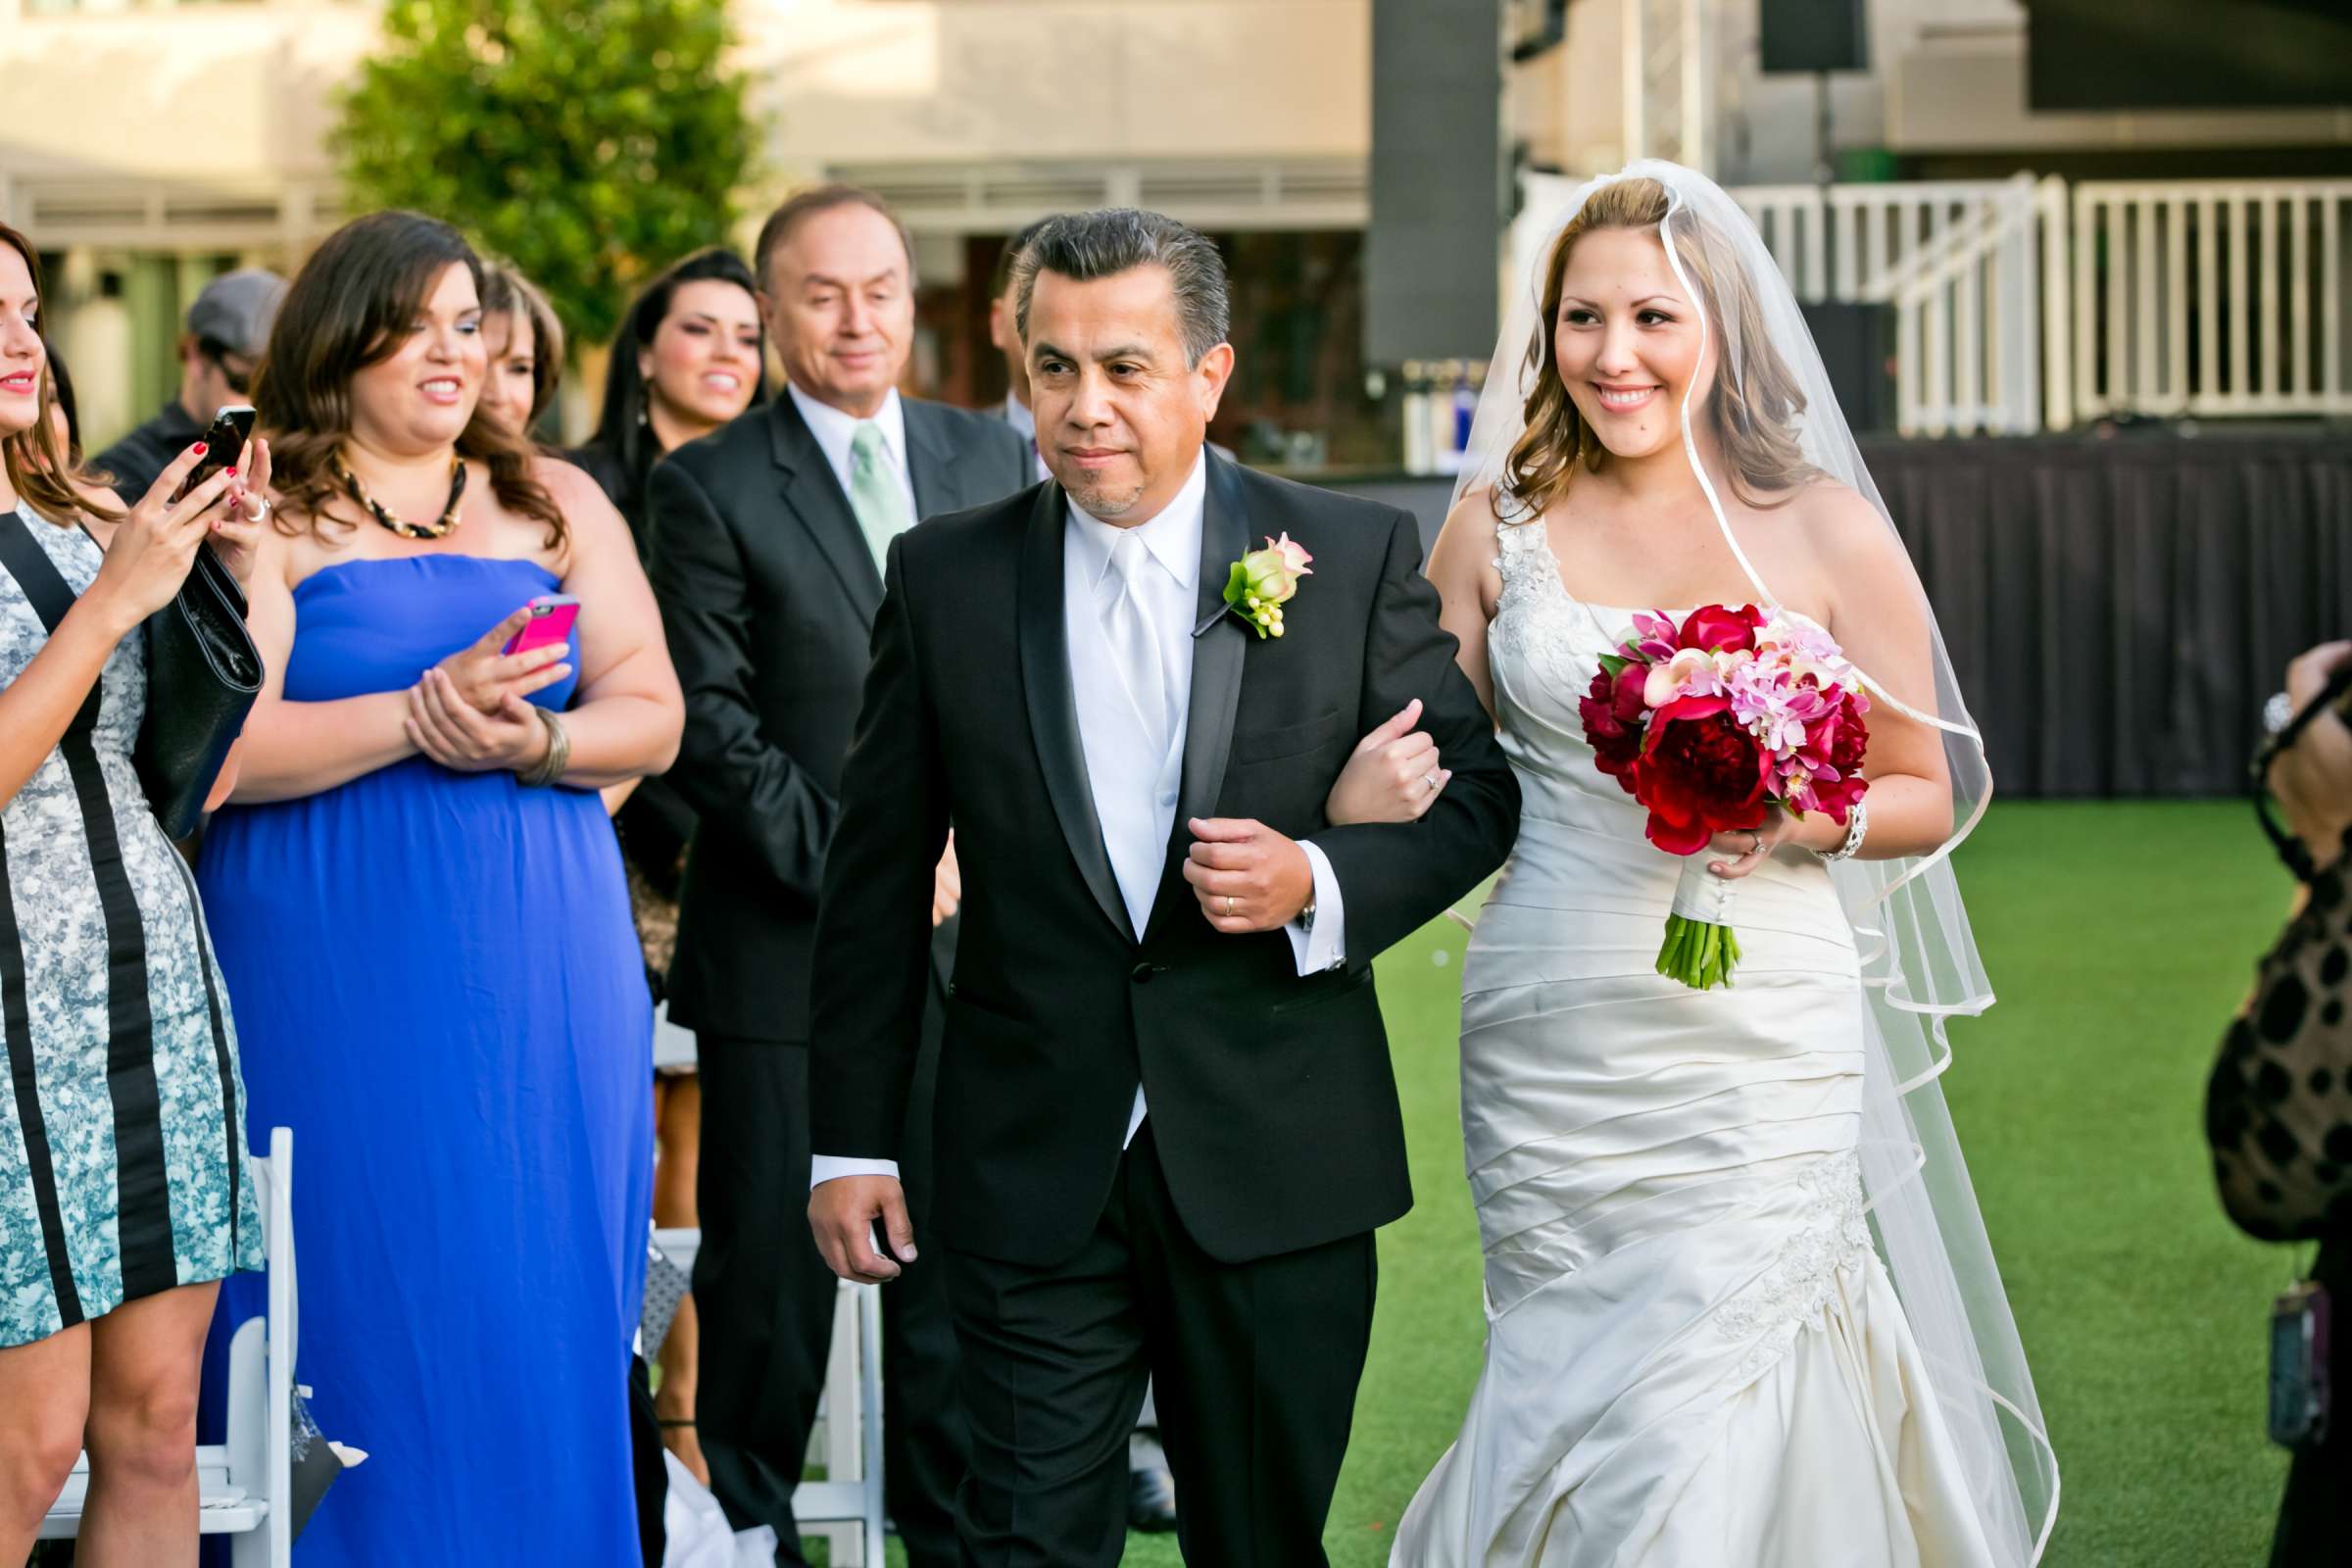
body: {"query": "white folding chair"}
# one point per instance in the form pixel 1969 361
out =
pixel 244 1485
pixel 845 1508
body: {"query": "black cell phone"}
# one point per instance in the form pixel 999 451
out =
pixel 232 426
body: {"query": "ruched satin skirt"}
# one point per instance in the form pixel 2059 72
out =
pixel 1694 1357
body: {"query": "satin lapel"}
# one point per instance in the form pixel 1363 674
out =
pixel 1053 710
pixel 814 496
pixel 1217 652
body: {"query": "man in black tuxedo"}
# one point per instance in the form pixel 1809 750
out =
pixel 1150 1490
pixel 767 546
pixel 1168 1120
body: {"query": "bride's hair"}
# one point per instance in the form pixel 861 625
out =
pixel 1750 413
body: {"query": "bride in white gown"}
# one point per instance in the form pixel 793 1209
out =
pixel 1740 1309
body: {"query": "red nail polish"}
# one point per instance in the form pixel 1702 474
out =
pixel 198 449
pixel 232 473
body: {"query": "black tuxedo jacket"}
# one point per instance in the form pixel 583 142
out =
pixel 1272 1101
pixel 768 594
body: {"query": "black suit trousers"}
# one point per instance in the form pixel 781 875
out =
pixel 766 1303
pixel 1255 1366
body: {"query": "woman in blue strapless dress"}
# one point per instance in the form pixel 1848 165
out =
pixel 420 893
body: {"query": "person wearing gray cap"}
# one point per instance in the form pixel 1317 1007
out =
pixel 228 326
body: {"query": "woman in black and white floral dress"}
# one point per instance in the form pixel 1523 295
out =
pixel 124 1199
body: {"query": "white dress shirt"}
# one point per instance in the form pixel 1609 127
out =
pixel 1135 794
pixel 835 430
pixel 1023 421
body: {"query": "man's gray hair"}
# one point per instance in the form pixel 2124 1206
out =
pixel 1084 246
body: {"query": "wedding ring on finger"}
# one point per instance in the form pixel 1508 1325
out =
pixel 1431 779
pixel 1758 847
pixel 1228 906
pixel 261 507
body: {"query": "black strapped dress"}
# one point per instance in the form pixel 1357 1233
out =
pixel 122 1138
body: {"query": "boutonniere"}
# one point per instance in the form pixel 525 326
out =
pixel 1261 582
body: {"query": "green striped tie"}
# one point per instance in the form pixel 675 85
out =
pixel 875 494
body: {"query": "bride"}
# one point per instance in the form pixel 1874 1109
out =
pixel 1741 1307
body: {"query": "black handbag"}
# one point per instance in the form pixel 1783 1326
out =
pixel 203 675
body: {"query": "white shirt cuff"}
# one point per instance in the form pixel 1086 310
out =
pixel 823 1168
pixel 1326 946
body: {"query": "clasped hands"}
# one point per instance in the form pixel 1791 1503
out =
pixel 470 712
pixel 1248 877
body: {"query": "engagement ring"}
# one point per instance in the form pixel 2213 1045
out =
pixel 1228 906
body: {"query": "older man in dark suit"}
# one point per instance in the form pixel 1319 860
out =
pixel 768 539
pixel 1175 1126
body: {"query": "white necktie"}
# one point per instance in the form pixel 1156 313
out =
pixel 1134 640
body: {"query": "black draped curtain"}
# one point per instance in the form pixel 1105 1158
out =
pixel 2118 609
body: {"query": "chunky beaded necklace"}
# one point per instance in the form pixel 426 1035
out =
pixel 440 528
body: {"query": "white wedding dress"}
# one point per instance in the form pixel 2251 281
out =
pixel 1694 1357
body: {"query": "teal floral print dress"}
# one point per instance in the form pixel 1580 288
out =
pixel 122 1137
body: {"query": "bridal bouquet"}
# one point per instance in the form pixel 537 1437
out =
pixel 1710 723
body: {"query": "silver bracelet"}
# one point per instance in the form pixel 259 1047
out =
pixel 2276 712
pixel 557 760
pixel 1857 823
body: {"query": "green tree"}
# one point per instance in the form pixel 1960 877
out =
pixel 589 142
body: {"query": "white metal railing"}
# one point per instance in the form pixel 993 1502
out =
pixel 2209 297
pixel 1961 263
pixel 2028 304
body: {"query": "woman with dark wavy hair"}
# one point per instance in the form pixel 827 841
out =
pixel 690 356
pixel 418 890
pixel 124 1198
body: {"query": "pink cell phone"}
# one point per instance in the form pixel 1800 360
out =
pixel 552 615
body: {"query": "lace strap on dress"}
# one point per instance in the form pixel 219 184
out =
pixel 1520 548
pixel 1522 559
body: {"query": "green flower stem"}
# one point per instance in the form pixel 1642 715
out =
pixel 1698 954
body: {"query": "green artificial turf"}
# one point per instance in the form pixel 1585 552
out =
pixel 2120 936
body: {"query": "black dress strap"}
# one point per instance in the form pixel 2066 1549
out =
pixel 46 588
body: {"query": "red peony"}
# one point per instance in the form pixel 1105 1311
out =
pixel 1721 629
pixel 1612 715
pixel 1838 740
pixel 1700 774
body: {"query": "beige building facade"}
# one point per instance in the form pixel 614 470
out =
pixel 152 144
